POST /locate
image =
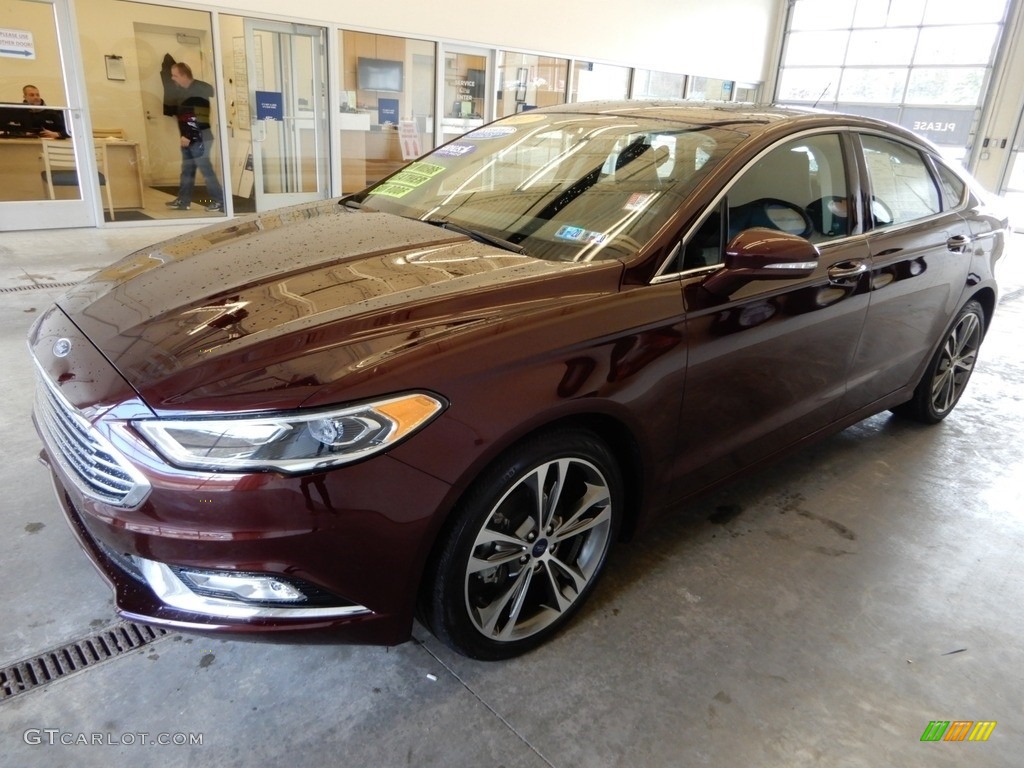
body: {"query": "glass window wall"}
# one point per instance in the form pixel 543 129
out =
pixel 709 89
pixel 526 81
pixel 258 125
pixel 387 104
pixel 593 81
pixel 154 127
pixel 653 84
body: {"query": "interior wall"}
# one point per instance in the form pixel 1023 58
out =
pixel 725 38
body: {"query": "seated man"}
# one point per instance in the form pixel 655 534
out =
pixel 44 123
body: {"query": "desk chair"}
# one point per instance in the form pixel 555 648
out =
pixel 59 169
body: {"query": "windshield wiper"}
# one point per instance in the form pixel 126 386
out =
pixel 349 202
pixel 480 237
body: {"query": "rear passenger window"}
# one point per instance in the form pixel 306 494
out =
pixel 902 188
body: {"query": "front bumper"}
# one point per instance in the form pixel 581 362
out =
pixel 139 558
pixel 352 541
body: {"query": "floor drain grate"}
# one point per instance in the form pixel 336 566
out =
pixel 35 287
pixel 77 655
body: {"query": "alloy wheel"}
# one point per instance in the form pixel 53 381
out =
pixel 538 549
pixel 959 354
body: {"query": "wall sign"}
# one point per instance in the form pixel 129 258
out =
pixel 269 105
pixel 387 111
pixel 17 44
pixel 941 125
pixel 410 140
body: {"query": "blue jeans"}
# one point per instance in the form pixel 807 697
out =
pixel 197 155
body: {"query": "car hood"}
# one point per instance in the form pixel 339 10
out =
pixel 267 311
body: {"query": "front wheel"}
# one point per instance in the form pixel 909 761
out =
pixel 949 370
pixel 527 546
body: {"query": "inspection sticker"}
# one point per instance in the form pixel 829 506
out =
pixel 581 235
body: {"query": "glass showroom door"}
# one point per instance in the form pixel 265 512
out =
pixel 40 184
pixel 287 111
pixel 466 101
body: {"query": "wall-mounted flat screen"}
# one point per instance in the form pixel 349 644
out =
pixel 479 79
pixel 379 74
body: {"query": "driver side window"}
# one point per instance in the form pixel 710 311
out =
pixel 799 187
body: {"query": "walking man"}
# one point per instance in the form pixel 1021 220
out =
pixel 196 139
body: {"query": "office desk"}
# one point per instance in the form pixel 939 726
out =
pixel 21 163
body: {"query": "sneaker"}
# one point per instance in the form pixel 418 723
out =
pixel 179 205
pixel 212 207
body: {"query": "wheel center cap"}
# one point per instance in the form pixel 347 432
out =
pixel 540 548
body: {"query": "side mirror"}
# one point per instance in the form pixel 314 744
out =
pixel 762 254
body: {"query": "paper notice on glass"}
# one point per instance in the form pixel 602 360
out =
pixel 410 139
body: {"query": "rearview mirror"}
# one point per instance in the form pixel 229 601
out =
pixel 762 254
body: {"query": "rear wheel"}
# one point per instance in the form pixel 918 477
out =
pixel 947 374
pixel 529 542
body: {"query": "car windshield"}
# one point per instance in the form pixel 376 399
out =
pixel 562 187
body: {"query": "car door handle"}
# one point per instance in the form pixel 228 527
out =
pixel 958 244
pixel 845 271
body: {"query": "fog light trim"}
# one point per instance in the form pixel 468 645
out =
pixel 173 591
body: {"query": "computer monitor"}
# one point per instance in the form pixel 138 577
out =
pixel 14 122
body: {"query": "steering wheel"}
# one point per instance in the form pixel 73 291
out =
pixel 786 217
pixel 881 214
pixel 772 213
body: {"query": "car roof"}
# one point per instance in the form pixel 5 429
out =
pixel 750 119
pixel 695 112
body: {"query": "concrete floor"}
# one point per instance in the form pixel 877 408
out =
pixel 821 613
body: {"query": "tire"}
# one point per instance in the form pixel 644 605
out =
pixel 949 370
pixel 528 543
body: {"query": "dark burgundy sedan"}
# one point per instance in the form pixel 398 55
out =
pixel 449 394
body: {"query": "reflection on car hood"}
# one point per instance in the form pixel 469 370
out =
pixel 268 310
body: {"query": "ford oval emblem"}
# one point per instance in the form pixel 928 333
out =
pixel 61 347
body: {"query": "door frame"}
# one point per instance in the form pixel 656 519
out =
pixel 321 112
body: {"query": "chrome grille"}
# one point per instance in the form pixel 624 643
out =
pixel 85 455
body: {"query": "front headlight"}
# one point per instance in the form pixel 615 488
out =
pixel 292 442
